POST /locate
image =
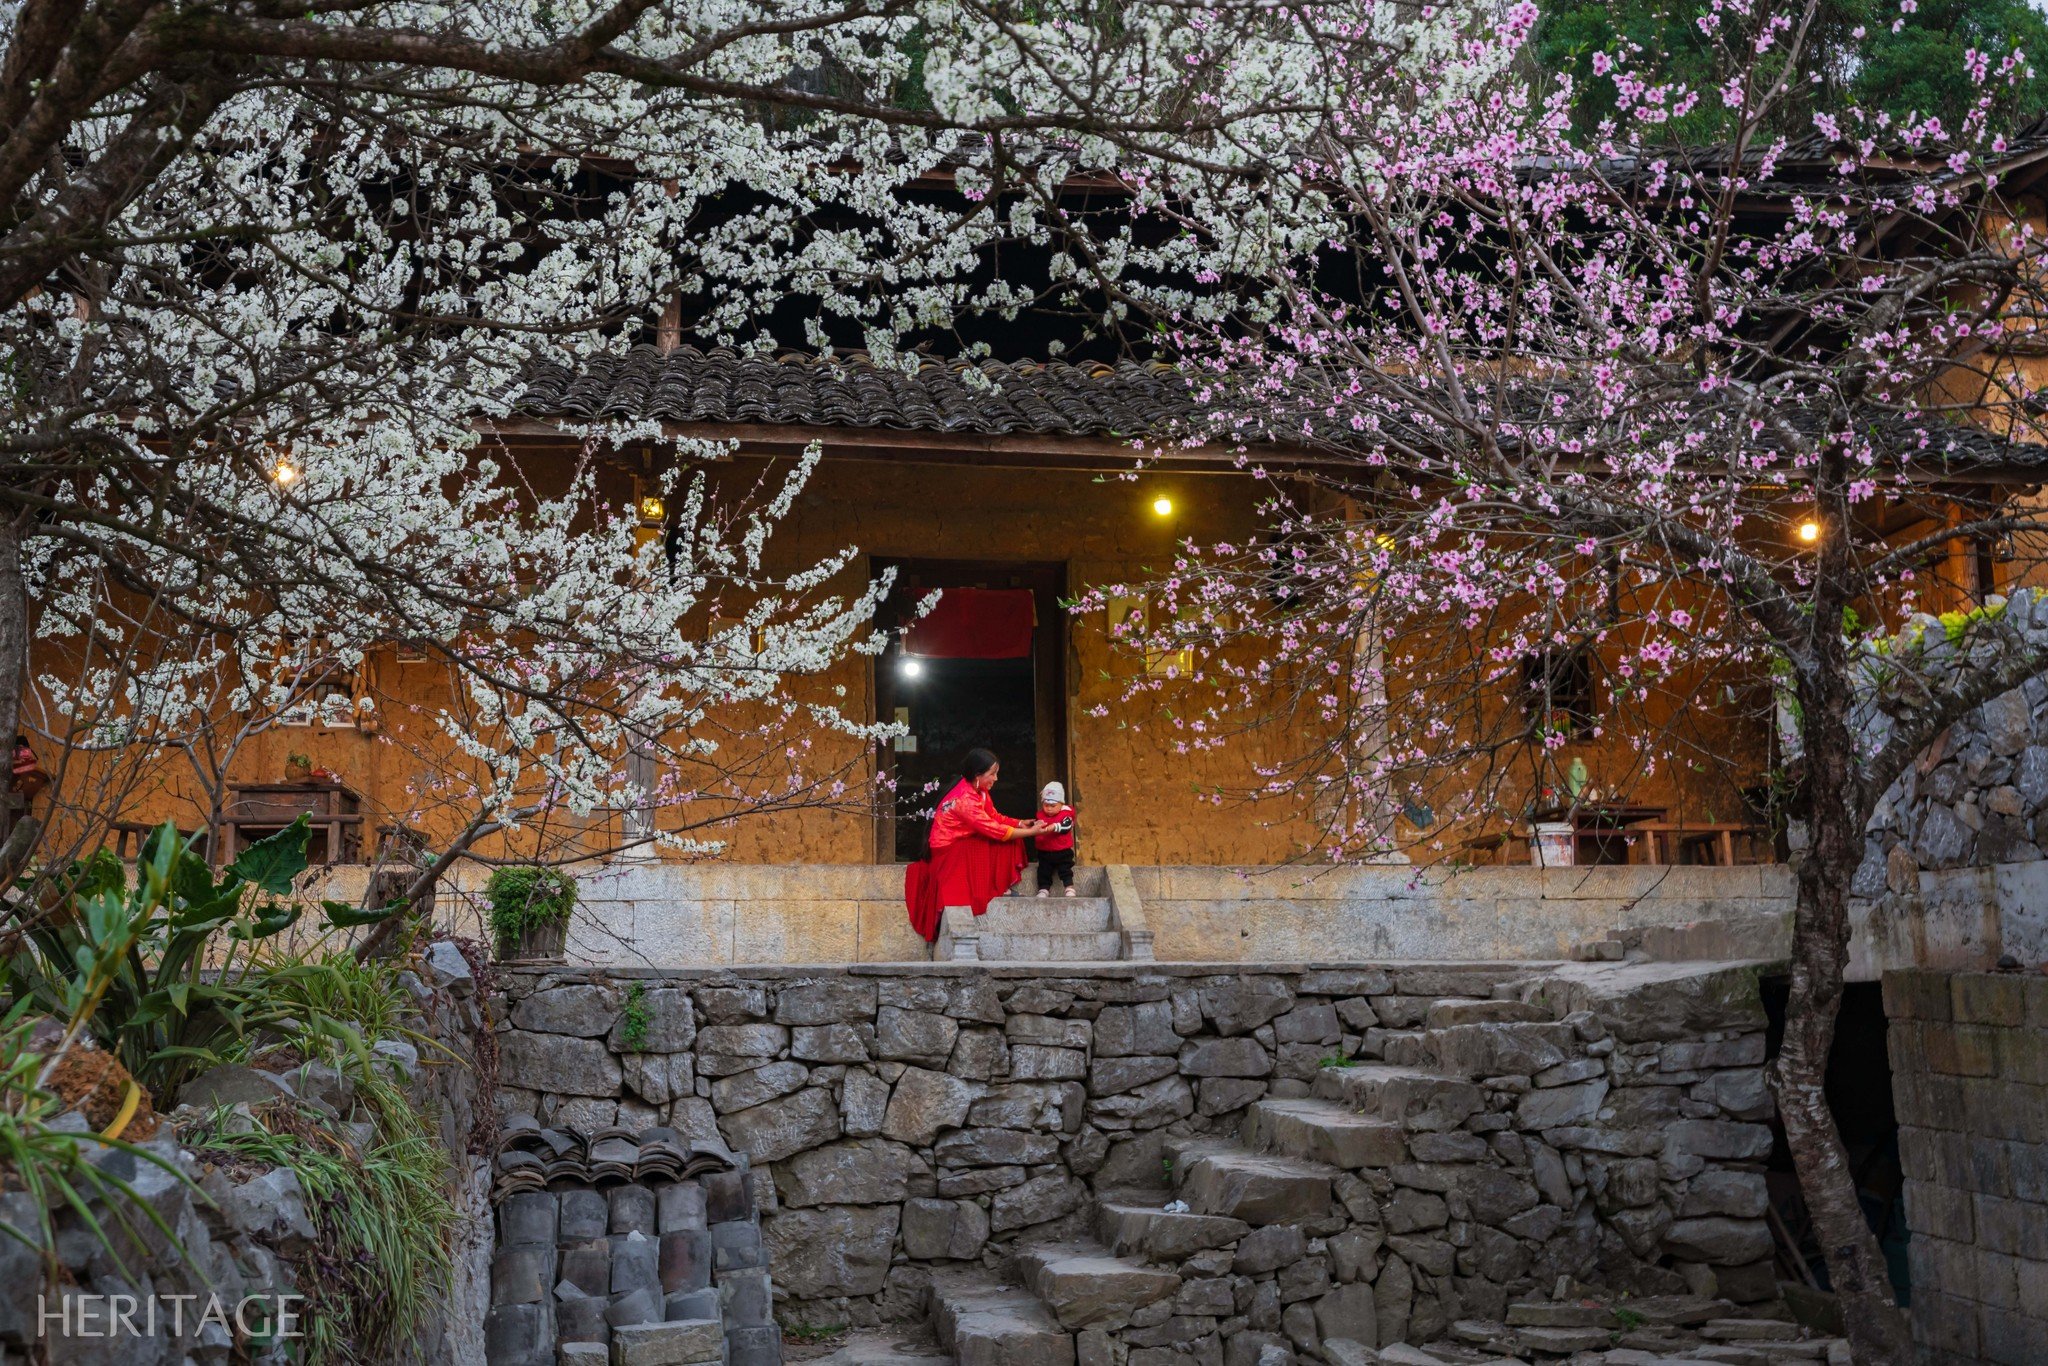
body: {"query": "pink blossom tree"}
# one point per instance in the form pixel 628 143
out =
pixel 1692 432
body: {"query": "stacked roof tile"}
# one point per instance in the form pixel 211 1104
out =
pixel 533 1157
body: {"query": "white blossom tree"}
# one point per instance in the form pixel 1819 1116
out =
pixel 269 272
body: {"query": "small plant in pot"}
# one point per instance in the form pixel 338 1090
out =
pixel 529 909
pixel 298 768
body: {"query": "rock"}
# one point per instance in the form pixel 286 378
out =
pixel 557 1063
pixel 1038 1200
pixel 659 1078
pixel 1221 1095
pixel 1139 1030
pixel 1240 1005
pixel 868 1171
pixel 995 1148
pixel 1315 1024
pixel 1943 841
pixel 1740 1195
pixel 831 1001
pixel 1268 1249
pixel 2008 723
pixel 914 1036
pixel 1225 1058
pixel 1347 1313
pixel 1048 1031
pixel 1493 1050
pixel 1339 1352
pixel 979 1055
pixel 1556 1106
pixel 833 1043
pixel 924 1103
pixel 1410 1210
pixel 1148 1107
pixel 863 1102
pixel 668 1344
pixel 1742 1093
pixel 1109 1076
pixel 744 1090
pixel 780 1128
pixel 833 1250
pixel 1032 1062
pixel 742 1041
pixel 668 1023
pixel 944 1228
pixel 447 969
pixel 585 1012
pixel 233 1085
pixel 1719 1240
pixel 1718 1140
pixel 732 1005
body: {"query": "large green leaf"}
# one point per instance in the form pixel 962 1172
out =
pixel 271 864
pixel 341 915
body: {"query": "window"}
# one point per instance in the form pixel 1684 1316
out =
pixel 1559 693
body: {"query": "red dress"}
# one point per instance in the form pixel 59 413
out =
pixel 972 859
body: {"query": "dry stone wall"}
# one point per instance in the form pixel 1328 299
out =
pixel 1357 1152
pixel 1969 1056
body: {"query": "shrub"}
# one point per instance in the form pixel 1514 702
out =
pixel 526 898
pixel 162 969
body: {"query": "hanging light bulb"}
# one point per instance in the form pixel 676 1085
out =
pixel 1809 531
pixel 910 668
pixel 1163 506
pixel 284 473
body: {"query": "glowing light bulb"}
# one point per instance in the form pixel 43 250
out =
pixel 1163 505
pixel 910 668
pixel 284 472
pixel 1809 531
pixel 652 508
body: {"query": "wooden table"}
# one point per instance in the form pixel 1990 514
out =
pixel 1711 842
pixel 257 810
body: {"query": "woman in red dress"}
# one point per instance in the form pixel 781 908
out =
pixel 976 852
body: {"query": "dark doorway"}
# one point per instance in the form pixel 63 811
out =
pixel 1015 707
pixel 1859 1092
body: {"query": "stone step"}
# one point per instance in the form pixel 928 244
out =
pixel 1407 1096
pixel 1134 1224
pixel 1104 947
pixel 1324 1131
pixel 984 1322
pixel 1055 914
pixel 900 1346
pixel 1083 1283
pixel 1453 1010
pixel 1258 1188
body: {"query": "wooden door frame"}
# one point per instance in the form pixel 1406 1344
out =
pixel 1047 580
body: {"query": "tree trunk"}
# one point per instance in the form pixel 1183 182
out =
pixel 1820 951
pixel 13 662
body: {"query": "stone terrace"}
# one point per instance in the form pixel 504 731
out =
pixel 1161 1163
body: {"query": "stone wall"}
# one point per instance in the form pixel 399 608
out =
pixel 1969 1057
pixel 1433 1140
pixel 1953 872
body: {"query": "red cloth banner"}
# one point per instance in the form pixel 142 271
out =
pixel 975 623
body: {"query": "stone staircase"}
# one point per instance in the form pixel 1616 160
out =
pixel 1104 922
pixel 1376 1159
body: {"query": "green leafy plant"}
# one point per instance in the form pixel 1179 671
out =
pixel 161 968
pixel 1629 1319
pixel 382 1220
pixel 809 1334
pixel 53 1166
pixel 527 898
pixel 1336 1060
pixel 633 1019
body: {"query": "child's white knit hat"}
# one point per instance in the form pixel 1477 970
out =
pixel 1052 794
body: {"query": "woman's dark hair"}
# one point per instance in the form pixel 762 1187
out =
pixel 978 762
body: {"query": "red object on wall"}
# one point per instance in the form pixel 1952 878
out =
pixel 975 623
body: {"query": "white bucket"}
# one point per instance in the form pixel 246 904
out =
pixel 1554 844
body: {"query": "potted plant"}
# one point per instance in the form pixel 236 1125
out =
pixel 298 768
pixel 529 911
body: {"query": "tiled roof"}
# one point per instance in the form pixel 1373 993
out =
pixel 1129 399
pixel 991 398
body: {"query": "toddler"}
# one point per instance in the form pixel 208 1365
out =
pixel 1055 846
